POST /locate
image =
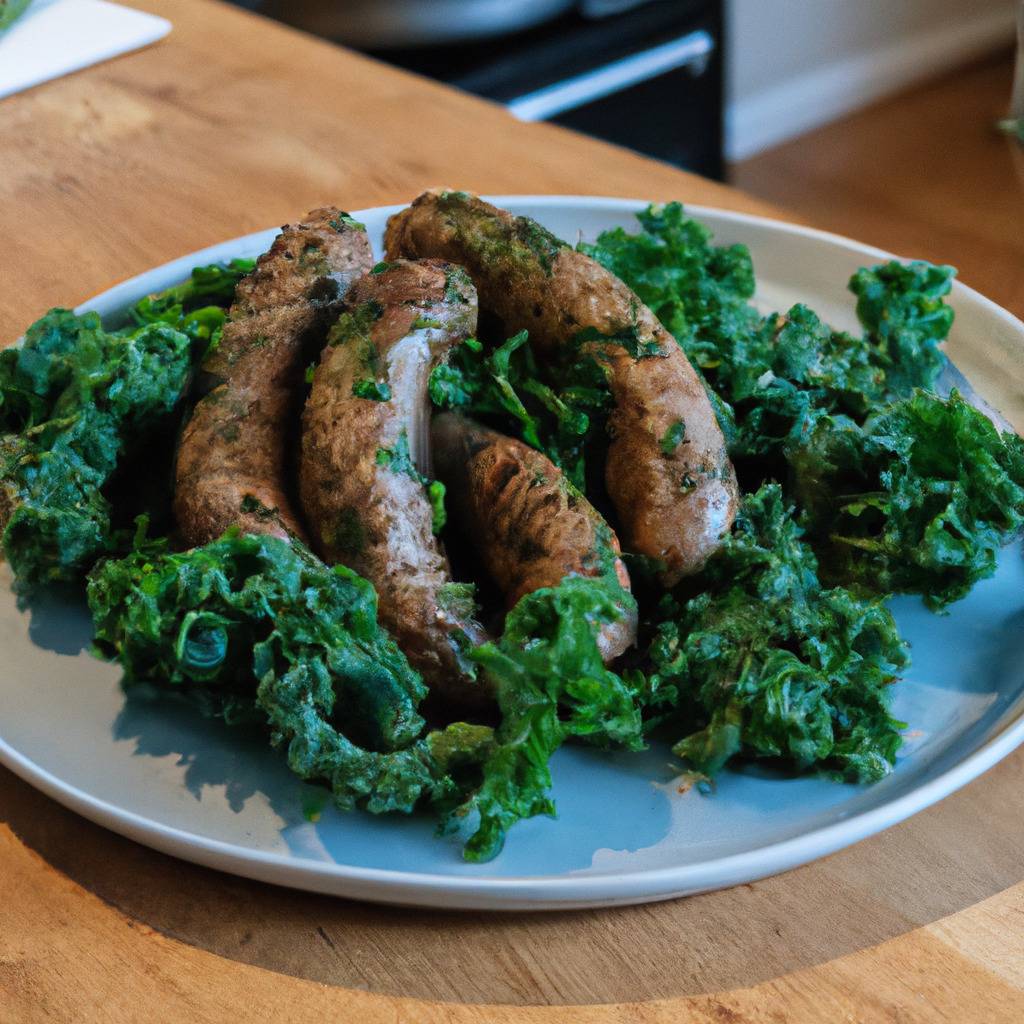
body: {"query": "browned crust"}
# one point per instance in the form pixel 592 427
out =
pixel 531 528
pixel 673 506
pixel 232 459
pixel 372 517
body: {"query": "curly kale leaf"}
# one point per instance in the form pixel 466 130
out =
pixel 920 498
pixel 251 626
pixel 772 378
pixel 765 662
pixel 560 412
pixel 902 310
pixel 552 685
pixel 73 399
pixel 195 307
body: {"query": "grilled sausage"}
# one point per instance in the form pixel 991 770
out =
pixel 530 525
pixel 232 459
pixel 365 447
pixel 667 472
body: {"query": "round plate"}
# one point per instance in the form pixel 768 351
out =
pixel 628 831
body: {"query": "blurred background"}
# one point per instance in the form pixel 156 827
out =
pixel 868 117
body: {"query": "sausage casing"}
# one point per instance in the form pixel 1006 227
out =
pixel 233 456
pixel 365 447
pixel 667 472
pixel 531 527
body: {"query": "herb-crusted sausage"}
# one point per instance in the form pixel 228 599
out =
pixel 668 472
pixel 365 447
pixel 531 527
pixel 232 459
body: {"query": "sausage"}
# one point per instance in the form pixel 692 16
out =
pixel 232 459
pixel 667 472
pixel 531 527
pixel 365 447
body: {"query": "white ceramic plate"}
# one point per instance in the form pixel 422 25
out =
pixel 160 774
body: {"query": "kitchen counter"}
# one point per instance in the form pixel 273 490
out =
pixel 232 124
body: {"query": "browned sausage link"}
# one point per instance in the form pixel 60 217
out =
pixel 364 446
pixel 232 459
pixel 668 472
pixel 530 525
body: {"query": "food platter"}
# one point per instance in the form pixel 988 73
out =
pixel 630 829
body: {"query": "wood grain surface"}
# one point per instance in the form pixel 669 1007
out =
pixel 232 124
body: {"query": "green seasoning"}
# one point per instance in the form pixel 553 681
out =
pixel 344 220
pixel 372 390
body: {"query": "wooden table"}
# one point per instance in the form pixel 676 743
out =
pixel 232 124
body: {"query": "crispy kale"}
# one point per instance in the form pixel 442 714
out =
pixel 195 307
pixel 253 627
pixel 765 662
pixel 251 624
pixel 552 685
pixel 920 498
pixel 73 398
pixel 560 412
pixel 902 308
pixel 780 374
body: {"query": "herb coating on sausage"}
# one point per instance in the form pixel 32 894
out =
pixel 667 471
pixel 531 527
pixel 233 456
pixel 365 448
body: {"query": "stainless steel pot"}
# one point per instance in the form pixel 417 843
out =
pixel 373 24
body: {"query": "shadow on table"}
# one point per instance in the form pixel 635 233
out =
pixel 946 859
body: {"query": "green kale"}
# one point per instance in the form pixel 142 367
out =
pixel 765 662
pixel 902 309
pixel 74 399
pixel 552 685
pixel 920 498
pixel 195 307
pixel 504 388
pixel 772 378
pixel 253 625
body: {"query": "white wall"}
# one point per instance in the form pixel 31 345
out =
pixel 796 64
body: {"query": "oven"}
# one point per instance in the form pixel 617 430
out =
pixel 646 74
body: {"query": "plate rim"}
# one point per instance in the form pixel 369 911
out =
pixel 527 892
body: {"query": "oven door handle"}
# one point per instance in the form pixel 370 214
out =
pixel 692 50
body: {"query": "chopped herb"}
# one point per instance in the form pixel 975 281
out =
pixel 673 437
pixel 344 220
pixel 458 599
pixel 422 323
pixel 435 492
pixel 374 391
pixel 399 459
